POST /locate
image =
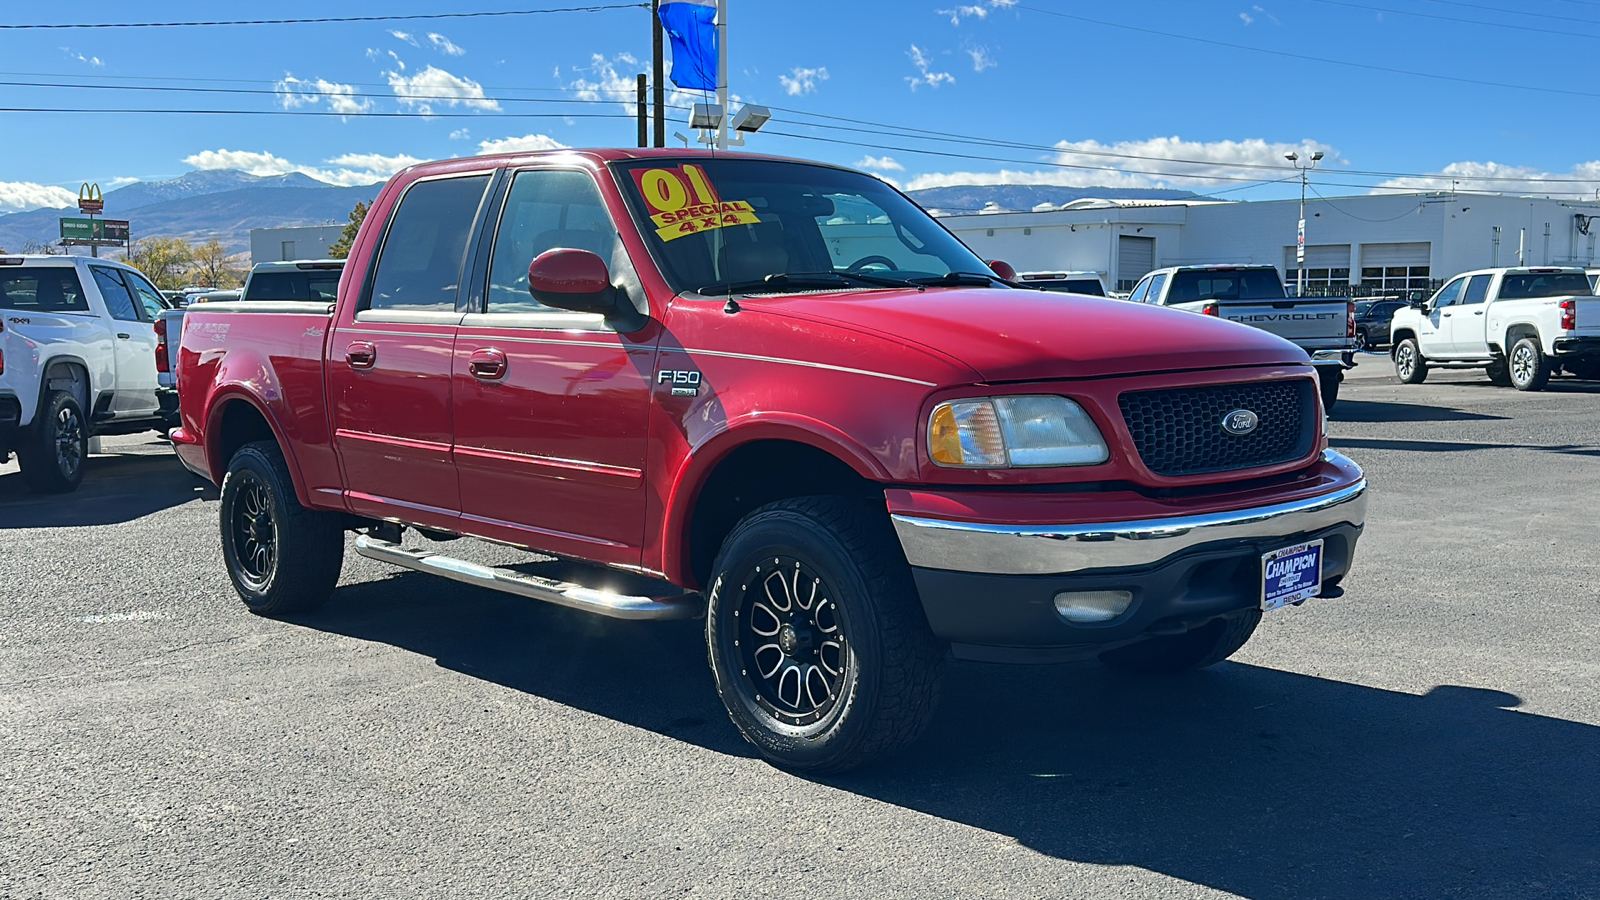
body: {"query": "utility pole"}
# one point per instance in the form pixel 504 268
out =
pixel 1300 239
pixel 658 72
pixel 722 73
pixel 644 127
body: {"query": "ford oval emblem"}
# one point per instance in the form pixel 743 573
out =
pixel 1240 422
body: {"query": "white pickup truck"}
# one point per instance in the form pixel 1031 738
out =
pixel 1522 325
pixel 1324 327
pixel 78 359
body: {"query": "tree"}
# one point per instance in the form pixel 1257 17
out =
pixel 341 247
pixel 32 247
pixel 164 261
pixel 212 266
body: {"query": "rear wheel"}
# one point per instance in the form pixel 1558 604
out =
pixel 53 452
pixel 1530 368
pixel 816 638
pixel 1409 366
pixel 1362 342
pixel 282 557
pixel 1499 373
pixel 1207 645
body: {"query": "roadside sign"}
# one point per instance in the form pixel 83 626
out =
pixel 107 231
pixel 90 200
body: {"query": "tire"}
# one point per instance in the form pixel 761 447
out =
pixel 1409 366
pixel 1328 385
pixel 1499 374
pixel 818 587
pixel 55 448
pixel 1205 646
pixel 1362 342
pixel 1530 368
pixel 281 557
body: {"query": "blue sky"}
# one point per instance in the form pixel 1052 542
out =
pixel 1132 93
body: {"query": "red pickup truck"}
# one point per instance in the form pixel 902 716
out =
pixel 777 395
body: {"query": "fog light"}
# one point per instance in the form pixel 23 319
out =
pixel 1092 606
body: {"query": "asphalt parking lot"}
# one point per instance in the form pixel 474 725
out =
pixel 1434 733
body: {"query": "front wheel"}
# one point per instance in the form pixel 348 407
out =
pixel 1530 368
pixel 816 638
pixel 282 557
pixel 1205 646
pixel 1409 366
pixel 55 448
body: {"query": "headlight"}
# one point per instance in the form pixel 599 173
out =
pixel 997 432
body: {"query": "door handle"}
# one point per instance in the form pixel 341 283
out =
pixel 487 364
pixel 125 337
pixel 361 355
pixel 1478 313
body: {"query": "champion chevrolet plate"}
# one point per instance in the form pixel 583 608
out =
pixel 1291 575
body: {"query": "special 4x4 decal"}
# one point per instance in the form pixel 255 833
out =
pixel 683 202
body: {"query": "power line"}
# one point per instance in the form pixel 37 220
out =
pixel 1518 12
pixel 331 19
pixel 288 89
pixel 1422 15
pixel 321 113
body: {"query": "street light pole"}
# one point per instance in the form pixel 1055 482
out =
pixel 1300 238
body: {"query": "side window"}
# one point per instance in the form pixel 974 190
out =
pixel 149 297
pixel 119 300
pixel 425 250
pixel 1477 289
pixel 1138 295
pixel 1156 284
pixel 546 210
pixel 1448 294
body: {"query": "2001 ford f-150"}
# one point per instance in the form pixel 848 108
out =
pixel 777 395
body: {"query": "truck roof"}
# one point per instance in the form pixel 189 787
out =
pixel 608 155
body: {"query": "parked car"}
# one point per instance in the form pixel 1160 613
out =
pixel 301 280
pixel 1372 320
pixel 1521 325
pixel 675 372
pixel 78 357
pixel 1086 283
pixel 1324 327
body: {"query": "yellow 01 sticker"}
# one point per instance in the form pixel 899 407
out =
pixel 682 202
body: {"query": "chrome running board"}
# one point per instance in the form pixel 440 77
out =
pixel 669 603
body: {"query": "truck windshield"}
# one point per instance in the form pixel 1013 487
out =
pixel 1548 284
pixel 1225 284
pixel 717 225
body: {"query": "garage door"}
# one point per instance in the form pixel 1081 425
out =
pixel 1135 256
pixel 1394 254
pixel 1320 256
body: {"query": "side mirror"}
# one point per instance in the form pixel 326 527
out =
pixel 572 279
pixel 1003 269
pixel 1420 304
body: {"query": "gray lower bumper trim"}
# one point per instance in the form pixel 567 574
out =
pixel 1060 549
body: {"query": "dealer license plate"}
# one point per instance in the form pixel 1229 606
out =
pixel 1291 575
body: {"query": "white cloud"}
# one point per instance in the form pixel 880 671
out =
pixel 800 82
pixel 981 59
pixel 525 144
pixel 460 134
pixel 1127 163
pixel 925 69
pixel 20 196
pixel 1493 177
pixel 1270 17
pixel 349 169
pixel 963 12
pixel 433 85
pixel 405 36
pixel 613 79
pixel 880 164
pixel 1245 18
pixel 443 45
pixel 293 92
pixel 94 61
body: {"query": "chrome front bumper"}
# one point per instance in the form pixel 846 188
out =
pixel 997 549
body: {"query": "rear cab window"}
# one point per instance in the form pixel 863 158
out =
pixel 315 285
pixel 42 289
pixel 1225 284
pixel 422 261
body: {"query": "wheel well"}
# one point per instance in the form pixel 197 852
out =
pixel 1518 332
pixel 754 475
pixel 239 424
pixel 69 376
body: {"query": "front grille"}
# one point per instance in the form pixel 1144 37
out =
pixel 1179 431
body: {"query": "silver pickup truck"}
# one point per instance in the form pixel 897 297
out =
pixel 1324 327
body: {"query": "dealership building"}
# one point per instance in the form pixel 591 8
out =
pixel 1355 246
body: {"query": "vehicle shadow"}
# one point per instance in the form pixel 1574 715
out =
pixel 1455 446
pixel 115 489
pixel 1257 782
pixel 1383 411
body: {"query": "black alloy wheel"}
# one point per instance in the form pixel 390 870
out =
pixel 54 454
pixel 254 532
pixel 69 442
pixel 794 647
pixel 281 557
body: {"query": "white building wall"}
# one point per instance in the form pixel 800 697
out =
pixel 304 242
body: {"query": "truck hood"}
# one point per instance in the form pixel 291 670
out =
pixel 1018 335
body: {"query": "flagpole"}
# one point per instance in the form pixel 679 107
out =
pixel 722 72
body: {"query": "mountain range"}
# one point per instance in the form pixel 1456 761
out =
pixel 225 204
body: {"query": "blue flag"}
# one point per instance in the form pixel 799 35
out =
pixel 691 26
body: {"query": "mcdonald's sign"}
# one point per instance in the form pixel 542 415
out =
pixel 90 200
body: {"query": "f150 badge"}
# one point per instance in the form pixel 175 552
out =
pixel 685 382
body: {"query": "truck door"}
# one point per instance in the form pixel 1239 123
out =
pixel 1467 325
pixel 551 406
pixel 388 366
pixel 133 345
pixel 1433 331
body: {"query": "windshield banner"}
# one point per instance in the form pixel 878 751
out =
pixel 683 202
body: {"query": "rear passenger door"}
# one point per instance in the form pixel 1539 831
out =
pixel 388 366
pixel 133 345
pixel 552 407
pixel 1467 334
